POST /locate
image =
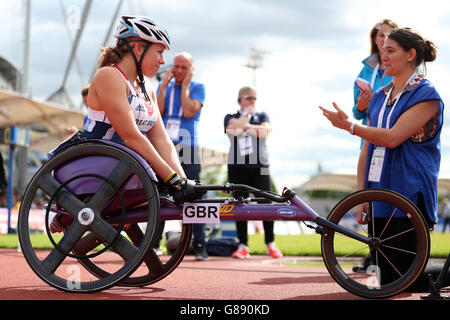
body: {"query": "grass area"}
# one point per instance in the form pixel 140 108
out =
pixel 291 245
pixel 309 244
pixel 440 244
pixel 39 240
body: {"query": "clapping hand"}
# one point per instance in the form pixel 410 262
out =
pixel 338 118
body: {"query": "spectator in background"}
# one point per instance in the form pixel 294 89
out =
pixel 73 129
pixel 248 161
pixel 84 95
pixel 444 213
pixel 3 182
pixel 180 101
pixel 372 76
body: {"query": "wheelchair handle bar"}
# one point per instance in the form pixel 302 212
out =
pixel 230 187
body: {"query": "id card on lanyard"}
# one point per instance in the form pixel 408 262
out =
pixel 173 123
pixel 378 155
pixel 245 145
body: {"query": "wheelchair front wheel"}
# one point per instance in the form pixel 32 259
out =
pixel 398 249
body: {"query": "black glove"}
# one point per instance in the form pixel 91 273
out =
pixel 238 193
pixel 183 190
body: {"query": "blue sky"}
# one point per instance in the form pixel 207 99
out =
pixel 314 52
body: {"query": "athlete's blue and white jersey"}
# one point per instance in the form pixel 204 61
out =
pixel 145 113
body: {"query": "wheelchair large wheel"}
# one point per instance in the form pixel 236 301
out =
pixel 60 267
pixel 396 254
pixel 153 267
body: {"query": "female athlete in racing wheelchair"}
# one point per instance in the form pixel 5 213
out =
pixel 128 117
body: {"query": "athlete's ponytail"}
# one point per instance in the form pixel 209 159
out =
pixel 110 56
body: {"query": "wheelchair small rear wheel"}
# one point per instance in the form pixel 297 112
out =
pixel 153 267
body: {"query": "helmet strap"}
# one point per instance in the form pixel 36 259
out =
pixel 138 63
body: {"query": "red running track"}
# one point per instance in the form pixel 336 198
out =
pixel 219 278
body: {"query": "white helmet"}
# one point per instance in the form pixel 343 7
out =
pixel 144 28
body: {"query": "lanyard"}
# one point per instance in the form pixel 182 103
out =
pixel 383 108
pixel 171 103
pixel 374 76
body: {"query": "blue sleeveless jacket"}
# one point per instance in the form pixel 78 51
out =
pixel 411 168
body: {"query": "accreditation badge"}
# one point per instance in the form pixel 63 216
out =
pixel 245 145
pixel 376 164
pixel 173 128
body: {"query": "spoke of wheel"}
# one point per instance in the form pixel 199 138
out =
pixel 359 225
pixel 151 259
pixel 381 234
pixel 64 198
pixel 399 249
pixel 356 251
pixel 106 233
pixel 397 235
pixel 106 191
pixel 67 242
pixel 378 249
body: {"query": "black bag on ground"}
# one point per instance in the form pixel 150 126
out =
pixel 223 247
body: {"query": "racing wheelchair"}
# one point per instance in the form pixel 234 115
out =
pixel 106 198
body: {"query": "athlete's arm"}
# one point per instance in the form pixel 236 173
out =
pixel 161 99
pixel 164 145
pixel 110 92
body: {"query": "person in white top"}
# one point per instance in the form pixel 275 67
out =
pixel 119 101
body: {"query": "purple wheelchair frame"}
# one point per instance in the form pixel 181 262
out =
pixel 242 210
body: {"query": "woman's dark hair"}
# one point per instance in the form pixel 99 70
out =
pixel 407 38
pixel 113 55
pixel 374 31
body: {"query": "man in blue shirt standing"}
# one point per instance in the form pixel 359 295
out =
pixel 180 101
